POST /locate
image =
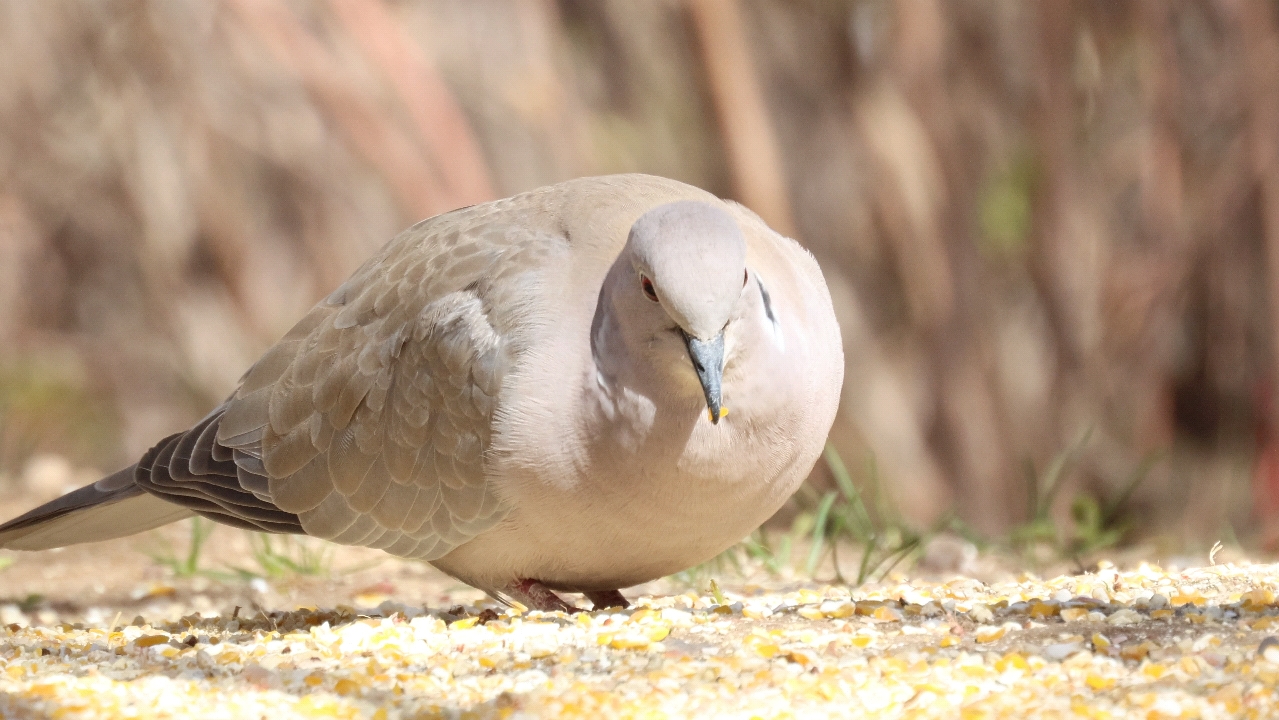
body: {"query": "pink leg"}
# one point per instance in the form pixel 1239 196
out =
pixel 536 596
pixel 607 599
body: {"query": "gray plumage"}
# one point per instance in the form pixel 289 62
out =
pixel 517 392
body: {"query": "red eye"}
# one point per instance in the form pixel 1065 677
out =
pixel 649 291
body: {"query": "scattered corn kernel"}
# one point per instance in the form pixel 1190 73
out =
pixel 464 623
pixel 1043 610
pixel 988 634
pixel 1097 682
pixel 149 640
pixel 890 649
pixel 886 614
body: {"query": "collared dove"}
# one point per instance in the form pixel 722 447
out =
pixel 532 394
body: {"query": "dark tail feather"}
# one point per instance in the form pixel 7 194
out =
pixel 109 508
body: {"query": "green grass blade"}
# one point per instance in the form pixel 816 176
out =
pixel 1032 488
pixel 859 521
pixel 819 532
pixel 864 567
pixel 1057 471
pixel 1138 475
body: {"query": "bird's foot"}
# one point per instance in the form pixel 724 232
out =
pixel 536 596
pixel 606 599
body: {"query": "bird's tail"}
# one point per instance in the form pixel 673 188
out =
pixel 109 508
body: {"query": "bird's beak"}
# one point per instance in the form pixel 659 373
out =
pixel 708 361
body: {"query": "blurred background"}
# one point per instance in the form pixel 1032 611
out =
pixel 1051 229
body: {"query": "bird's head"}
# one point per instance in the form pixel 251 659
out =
pixel 687 271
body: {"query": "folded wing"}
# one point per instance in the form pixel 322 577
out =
pixel 369 422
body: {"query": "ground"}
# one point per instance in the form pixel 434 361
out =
pixel 105 631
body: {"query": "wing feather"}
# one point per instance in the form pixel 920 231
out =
pixel 371 419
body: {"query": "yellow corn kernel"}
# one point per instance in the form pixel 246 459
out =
pixel 762 647
pixel 802 657
pixel 1043 610
pixel 990 634
pixel 1098 682
pixel 1155 670
pixel 886 614
pixel 1136 652
pixel 629 641
pixel 657 633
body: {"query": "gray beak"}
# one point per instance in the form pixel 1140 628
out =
pixel 708 361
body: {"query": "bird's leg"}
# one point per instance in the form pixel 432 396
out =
pixel 606 599
pixel 536 596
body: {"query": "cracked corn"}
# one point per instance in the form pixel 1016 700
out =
pixel 1145 643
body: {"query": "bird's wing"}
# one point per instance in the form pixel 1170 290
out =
pixel 368 423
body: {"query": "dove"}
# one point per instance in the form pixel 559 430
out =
pixel 580 388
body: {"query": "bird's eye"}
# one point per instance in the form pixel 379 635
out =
pixel 649 291
pixel 745 276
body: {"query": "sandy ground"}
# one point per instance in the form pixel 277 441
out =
pixel 104 630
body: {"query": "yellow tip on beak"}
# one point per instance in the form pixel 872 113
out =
pixel 723 413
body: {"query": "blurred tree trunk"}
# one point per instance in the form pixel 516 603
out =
pixel 759 178
pixel 940 265
pixel 1260 58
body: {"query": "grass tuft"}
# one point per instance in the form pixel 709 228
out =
pixel 275 556
pixel 1096 524
pixel 188 565
pixel 280 556
pixel 825 522
pixel 842 517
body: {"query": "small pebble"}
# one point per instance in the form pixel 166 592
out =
pixel 1269 649
pixel 1061 651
